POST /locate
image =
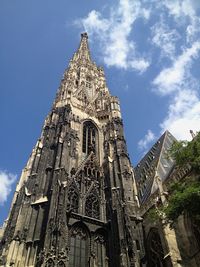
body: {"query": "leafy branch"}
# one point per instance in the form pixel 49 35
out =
pixel 185 198
pixel 184 153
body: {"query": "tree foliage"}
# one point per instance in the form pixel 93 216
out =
pixel 153 215
pixel 185 195
pixel 185 198
pixel 184 153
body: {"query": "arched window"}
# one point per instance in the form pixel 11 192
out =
pixel 89 138
pixel 92 208
pixel 100 250
pixel 155 250
pixel 79 247
pixel 73 199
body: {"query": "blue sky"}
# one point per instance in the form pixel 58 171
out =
pixel 150 52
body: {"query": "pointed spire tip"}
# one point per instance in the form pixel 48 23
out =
pixel 84 34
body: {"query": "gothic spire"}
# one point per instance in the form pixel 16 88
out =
pixel 83 52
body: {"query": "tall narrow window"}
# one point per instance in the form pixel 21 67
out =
pixel 89 138
pixel 92 208
pixel 79 247
pixel 100 250
pixel 155 250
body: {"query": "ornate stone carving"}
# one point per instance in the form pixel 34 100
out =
pixel 92 206
pixel 73 199
pixel 72 139
pixel 50 263
pixel 79 231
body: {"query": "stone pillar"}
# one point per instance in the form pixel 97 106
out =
pixel 174 253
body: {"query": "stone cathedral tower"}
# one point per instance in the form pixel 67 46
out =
pixel 72 203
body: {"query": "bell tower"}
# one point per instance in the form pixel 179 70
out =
pixel 75 197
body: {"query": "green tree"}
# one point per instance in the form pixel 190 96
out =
pixel 185 198
pixel 185 194
pixel 184 153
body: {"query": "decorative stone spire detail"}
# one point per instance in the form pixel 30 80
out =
pixel 83 52
pixel 84 86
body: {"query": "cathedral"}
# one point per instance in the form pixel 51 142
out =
pixel 79 202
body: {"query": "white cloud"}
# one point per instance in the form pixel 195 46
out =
pixel 180 8
pixel 193 30
pixel 178 82
pixel 185 10
pixel 183 115
pixel 113 34
pixel 6 181
pixel 95 20
pixel 177 76
pixel 148 138
pixel 140 64
pixel 165 39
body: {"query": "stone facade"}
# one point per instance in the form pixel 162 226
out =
pixel 74 197
pixel 77 203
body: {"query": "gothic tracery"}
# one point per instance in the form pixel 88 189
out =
pixel 79 246
pixel 92 207
pixel 73 199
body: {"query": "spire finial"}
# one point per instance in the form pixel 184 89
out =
pixel 83 52
pixel 84 35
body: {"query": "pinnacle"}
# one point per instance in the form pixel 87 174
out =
pixel 84 35
pixel 83 51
